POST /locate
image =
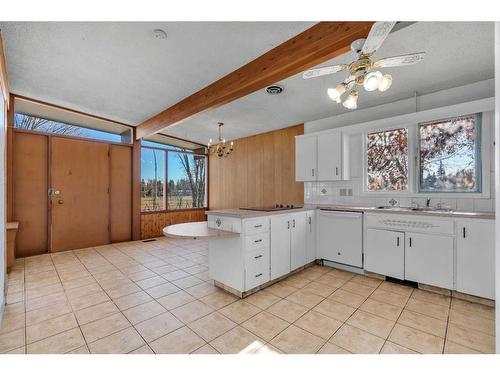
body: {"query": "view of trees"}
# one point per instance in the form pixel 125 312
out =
pixel 448 159
pixel 387 160
pixel 187 191
pixel 192 185
pixel 22 121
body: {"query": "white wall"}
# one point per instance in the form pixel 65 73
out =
pixel 329 192
pixel 497 180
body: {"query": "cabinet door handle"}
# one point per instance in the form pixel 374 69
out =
pixel 410 241
pixel 258 275
pixel 336 171
pixel 397 241
pixel 463 231
pixel 257 241
pixel 288 224
pixel 257 257
pixel 257 226
pixel 293 223
pixel 312 172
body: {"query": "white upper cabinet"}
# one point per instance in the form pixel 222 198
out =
pixel 306 158
pixel 476 257
pixel 322 158
pixel 330 157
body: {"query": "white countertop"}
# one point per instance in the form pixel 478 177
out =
pixel 246 214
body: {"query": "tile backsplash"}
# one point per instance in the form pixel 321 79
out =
pixel 348 193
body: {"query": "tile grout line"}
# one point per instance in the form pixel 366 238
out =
pixel 121 312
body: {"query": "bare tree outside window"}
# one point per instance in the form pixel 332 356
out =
pixel 449 155
pixel 27 122
pixel 387 160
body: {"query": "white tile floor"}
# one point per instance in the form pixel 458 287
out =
pixel 156 297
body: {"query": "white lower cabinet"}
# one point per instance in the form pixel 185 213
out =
pixel 288 243
pixel 298 240
pixel 311 236
pixel 280 246
pixel 429 259
pixel 476 257
pixel 385 252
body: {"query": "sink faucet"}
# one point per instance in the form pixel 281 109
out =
pixel 428 202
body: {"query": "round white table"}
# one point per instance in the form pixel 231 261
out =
pixel 197 230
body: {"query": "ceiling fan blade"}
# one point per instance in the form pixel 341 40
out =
pixel 376 37
pixel 312 73
pixel 403 60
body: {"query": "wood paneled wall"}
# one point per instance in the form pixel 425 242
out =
pixel 153 223
pixel 260 172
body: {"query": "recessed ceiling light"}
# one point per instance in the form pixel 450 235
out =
pixel 160 34
pixel 274 89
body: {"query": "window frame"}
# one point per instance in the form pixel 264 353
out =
pixel 70 136
pixel 479 155
pixel 165 188
pixel 413 160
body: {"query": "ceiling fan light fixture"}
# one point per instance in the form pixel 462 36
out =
pixel 337 92
pixel 372 80
pixel 385 82
pixel 352 100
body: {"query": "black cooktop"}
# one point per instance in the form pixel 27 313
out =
pixel 276 207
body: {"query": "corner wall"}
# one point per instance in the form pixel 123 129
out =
pixel 260 172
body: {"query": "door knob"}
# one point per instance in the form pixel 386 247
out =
pixel 60 201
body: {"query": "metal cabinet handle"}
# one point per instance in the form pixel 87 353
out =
pixel 312 172
pixel 336 171
pixel 257 226
pixel 259 240
pixel 258 275
pixel 293 221
pixel 397 241
pixel 410 241
pixel 463 232
pixel 60 201
pixel 257 257
pixel 288 224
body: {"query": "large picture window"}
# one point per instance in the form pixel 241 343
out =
pixel 387 160
pixel 172 180
pixel 449 155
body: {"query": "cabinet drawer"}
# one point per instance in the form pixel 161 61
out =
pixel 256 268
pixel 259 240
pixel 256 226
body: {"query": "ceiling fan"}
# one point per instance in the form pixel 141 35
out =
pixel 363 71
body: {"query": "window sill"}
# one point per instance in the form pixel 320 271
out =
pixel 173 210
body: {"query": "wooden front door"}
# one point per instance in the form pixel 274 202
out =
pixel 79 199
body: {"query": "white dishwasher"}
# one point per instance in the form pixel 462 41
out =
pixel 340 237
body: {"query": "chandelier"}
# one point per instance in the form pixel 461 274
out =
pixel 220 149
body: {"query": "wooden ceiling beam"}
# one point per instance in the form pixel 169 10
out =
pixel 320 43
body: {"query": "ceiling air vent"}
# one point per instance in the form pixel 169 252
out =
pixel 274 89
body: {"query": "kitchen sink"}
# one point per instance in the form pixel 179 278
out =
pixel 421 209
